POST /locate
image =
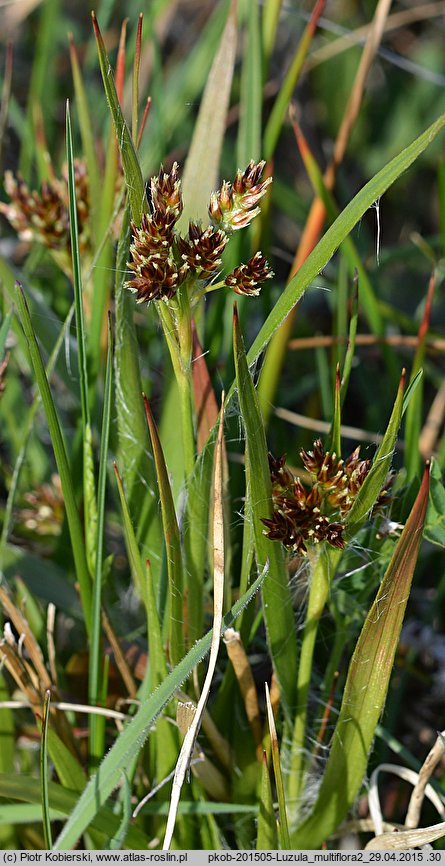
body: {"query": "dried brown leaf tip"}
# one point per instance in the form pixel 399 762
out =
pixel 235 205
pixel 44 216
pixel 308 515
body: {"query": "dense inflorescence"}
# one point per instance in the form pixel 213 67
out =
pixel 308 515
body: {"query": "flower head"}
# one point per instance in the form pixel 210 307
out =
pixel 308 515
pixel 44 216
pixel 247 279
pixel 153 261
pixel 157 278
pixel 235 205
pixel 202 249
pixel 165 191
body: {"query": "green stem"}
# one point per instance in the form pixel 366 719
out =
pixel 188 431
pixel 179 342
pixel 318 593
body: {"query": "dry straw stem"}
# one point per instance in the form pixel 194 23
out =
pixel 218 598
pixel 356 37
pixel 433 424
pixel 404 838
pixel 356 434
pixel 52 655
pixel 68 707
pixel 283 825
pixel 243 672
pixel 398 340
pixel 119 657
pixel 26 636
pixel 219 745
pixel 431 761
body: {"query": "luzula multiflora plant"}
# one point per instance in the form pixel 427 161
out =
pixel 178 271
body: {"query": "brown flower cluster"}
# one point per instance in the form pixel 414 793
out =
pixel 235 205
pixel 161 259
pixel 247 279
pixel 301 515
pixel 44 216
pixel 157 273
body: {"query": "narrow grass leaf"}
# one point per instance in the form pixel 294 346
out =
pixel 89 492
pixel 266 839
pixel 87 135
pixel 249 131
pixel 158 663
pixel 136 67
pixel 7 727
pixel 46 326
pixel 335 444
pixel 132 170
pixel 366 686
pixel 196 527
pixel 95 657
pixel 42 87
pixel 381 464
pixel 132 738
pixel 201 168
pixel 27 789
pixel 61 456
pixel 409 393
pixel 278 612
pixel 441 192
pixel 24 813
pixel 191 735
pixel 131 544
pixel 413 421
pixel 134 456
pixel 349 250
pixel 67 767
pixel 270 18
pixel 283 829
pixel 278 113
pixel 4 331
pixel 47 835
pixel 435 516
pixel 172 544
pixel 349 357
pixel 77 277
pixel 337 232
pixel 116 842
pixel 206 407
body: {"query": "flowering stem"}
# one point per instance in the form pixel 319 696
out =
pixel 188 432
pixel 318 593
pixel 210 287
pixel 179 342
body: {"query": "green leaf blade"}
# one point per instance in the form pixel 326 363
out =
pixel 278 611
pixel 130 162
pixel 132 738
pixel 366 686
